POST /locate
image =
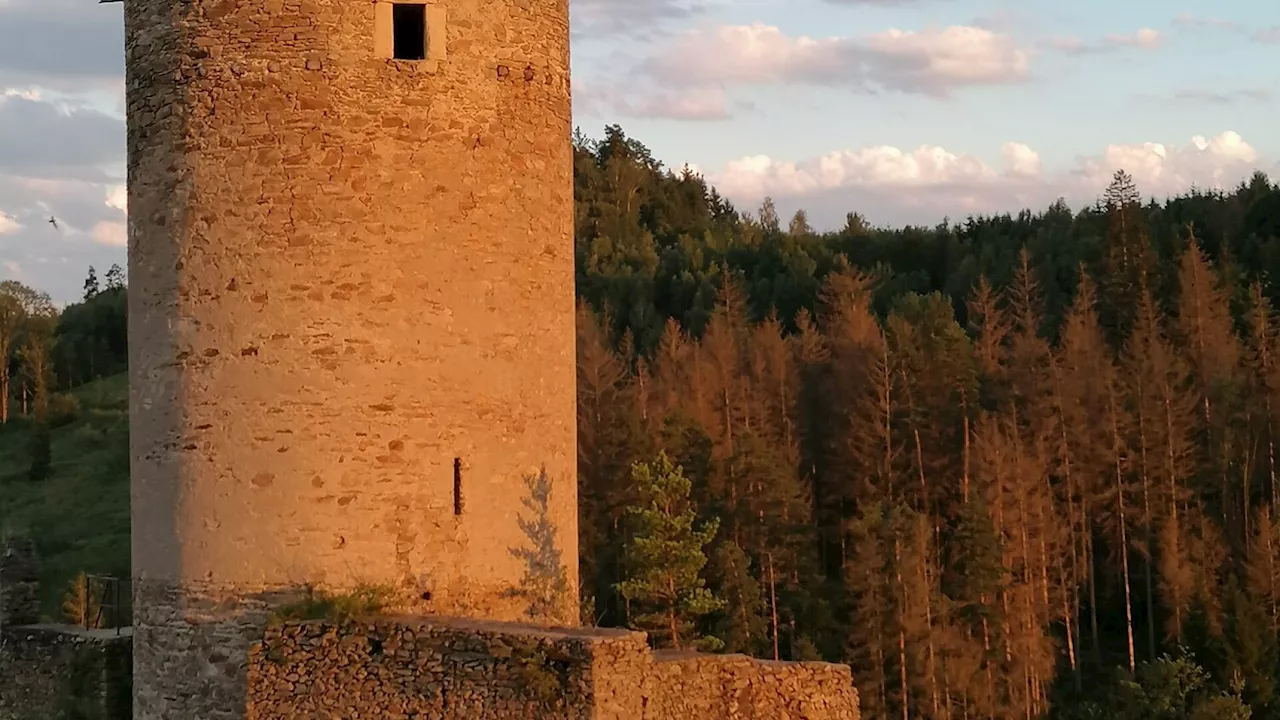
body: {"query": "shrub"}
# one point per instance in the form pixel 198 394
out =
pixel 362 600
pixel 64 409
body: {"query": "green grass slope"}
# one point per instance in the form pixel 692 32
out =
pixel 79 516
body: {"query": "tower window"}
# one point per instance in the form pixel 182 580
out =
pixel 457 486
pixel 409 21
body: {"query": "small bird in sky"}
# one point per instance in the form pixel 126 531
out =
pixel 54 222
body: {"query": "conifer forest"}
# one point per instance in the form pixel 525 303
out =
pixel 1017 466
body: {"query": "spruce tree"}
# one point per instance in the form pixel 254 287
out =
pixel 666 558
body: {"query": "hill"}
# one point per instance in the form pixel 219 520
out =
pixel 80 514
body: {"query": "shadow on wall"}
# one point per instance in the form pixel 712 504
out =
pixel 545 585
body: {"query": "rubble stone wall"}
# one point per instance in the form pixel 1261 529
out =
pixel 449 669
pixel 49 672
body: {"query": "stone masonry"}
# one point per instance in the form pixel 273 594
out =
pixel 351 316
pixel 458 669
pixel 49 672
pixel 19 581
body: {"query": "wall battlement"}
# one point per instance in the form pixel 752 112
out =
pixel 455 669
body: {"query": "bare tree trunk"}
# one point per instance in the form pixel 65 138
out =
pixel 1148 523
pixel 1175 536
pixel 928 611
pixel 773 605
pixel 964 478
pixel 902 635
pixel 986 661
pixel 671 614
pixel 1124 537
pixel 1269 538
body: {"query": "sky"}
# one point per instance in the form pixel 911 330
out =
pixel 906 111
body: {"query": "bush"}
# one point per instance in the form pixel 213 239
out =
pixel 63 410
pixel 361 601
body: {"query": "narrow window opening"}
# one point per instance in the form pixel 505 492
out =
pixel 457 486
pixel 409 21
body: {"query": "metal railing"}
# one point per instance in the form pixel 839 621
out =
pixel 104 603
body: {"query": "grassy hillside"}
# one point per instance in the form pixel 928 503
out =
pixel 80 515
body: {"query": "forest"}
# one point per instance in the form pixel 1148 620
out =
pixel 1019 466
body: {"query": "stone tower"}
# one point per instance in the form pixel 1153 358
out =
pixel 351 314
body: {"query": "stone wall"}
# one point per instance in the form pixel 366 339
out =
pixel 19 582
pixel 449 669
pixel 57 672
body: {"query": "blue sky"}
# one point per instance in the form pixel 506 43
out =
pixel 903 110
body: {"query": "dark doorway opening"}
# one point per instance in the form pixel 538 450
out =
pixel 410 23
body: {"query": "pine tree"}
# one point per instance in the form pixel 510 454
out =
pixel 115 277
pixel 667 558
pixel 91 284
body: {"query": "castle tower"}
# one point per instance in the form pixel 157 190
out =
pixel 351 314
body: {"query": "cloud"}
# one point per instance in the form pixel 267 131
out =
pixel 1144 38
pixel 931 62
pixel 112 234
pixel 688 104
pixel 689 76
pixel 118 198
pixel 66 45
pixel 8 224
pixel 893 185
pixel 91 231
pixel 42 138
pixel 1270 36
pixel 1189 21
pixel 606 17
pixel 1141 39
pixel 62 158
pixel 877 3
pixel 1224 96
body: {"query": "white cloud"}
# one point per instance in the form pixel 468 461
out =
pixel 648 101
pixel 25 93
pixel 1270 36
pixel 1020 159
pixel 112 234
pixel 1187 20
pixel 1144 38
pixel 893 185
pixel 931 62
pixel 8 224
pixel 1141 39
pixel 118 198
pixel 603 17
